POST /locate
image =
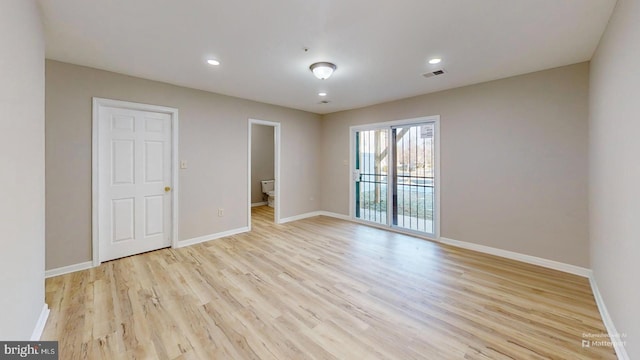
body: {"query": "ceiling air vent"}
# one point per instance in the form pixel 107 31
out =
pixel 433 73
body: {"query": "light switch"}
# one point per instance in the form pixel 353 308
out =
pixel 344 162
pixel 183 164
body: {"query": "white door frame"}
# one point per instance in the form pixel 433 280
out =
pixel 95 166
pixel 388 124
pixel 276 131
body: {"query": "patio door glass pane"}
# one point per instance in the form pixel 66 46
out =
pixel 371 176
pixel 413 184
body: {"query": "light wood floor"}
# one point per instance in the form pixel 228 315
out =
pixel 320 288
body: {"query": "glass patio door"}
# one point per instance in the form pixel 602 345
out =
pixel 395 176
pixel 413 184
pixel 372 165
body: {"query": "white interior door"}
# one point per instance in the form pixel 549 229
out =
pixel 134 181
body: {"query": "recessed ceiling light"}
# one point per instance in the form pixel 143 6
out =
pixel 213 62
pixel 322 94
pixel 435 61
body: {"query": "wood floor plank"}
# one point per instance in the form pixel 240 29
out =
pixel 321 288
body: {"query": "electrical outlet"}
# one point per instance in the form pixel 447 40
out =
pixel 220 212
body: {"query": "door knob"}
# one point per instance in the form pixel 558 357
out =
pixel 167 188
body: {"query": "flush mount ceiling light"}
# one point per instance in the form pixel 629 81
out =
pixel 322 94
pixel 213 62
pixel 322 70
pixel 435 61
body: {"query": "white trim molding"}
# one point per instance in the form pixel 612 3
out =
pixel 618 346
pixel 356 221
pixel 334 215
pixel 529 259
pixel 614 335
pixel 315 213
pixel 300 217
pixel 95 166
pixel 205 238
pixel 42 321
pixel 68 269
pixel 550 264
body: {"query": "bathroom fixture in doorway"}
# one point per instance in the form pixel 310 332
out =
pixel 268 191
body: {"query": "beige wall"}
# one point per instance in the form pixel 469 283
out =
pixel 213 140
pixel 614 188
pixel 262 159
pixel 513 158
pixel 22 162
pixel 513 161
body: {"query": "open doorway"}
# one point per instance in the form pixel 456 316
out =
pixel 264 171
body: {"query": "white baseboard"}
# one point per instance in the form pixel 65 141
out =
pixel 259 204
pixel 300 217
pixel 68 269
pixel 42 321
pixel 201 239
pixel 312 214
pixel 89 264
pixel 551 264
pixel 335 215
pixel 618 346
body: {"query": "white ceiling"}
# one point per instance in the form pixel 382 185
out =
pixel 381 47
